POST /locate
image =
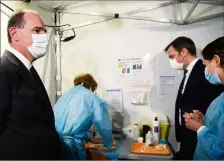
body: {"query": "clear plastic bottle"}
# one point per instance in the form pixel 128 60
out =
pixel 149 139
pixel 135 132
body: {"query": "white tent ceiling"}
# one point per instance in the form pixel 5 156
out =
pixel 141 10
pixel 171 11
pixel 52 4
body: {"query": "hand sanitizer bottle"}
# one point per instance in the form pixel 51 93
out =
pixel 156 130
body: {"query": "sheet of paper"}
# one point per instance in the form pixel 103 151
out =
pixel 132 69
pixel 140 92
pixel 114 99
pixel 166 85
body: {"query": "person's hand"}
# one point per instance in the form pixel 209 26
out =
pixel 193 124
pixel 198 116
pixel 187 115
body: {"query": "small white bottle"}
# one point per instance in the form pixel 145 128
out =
pixel 149 139
pixel 135 132
pixel 156 130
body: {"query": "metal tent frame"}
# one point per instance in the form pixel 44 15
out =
pixel 130 15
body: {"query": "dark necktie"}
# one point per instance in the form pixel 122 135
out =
pixel 42 91
pixel 39 83
pixel 182 82
pixel 33 72
pixel 36 76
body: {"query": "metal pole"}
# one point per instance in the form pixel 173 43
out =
pixel 146 19
pixel 57 26
pixel 191 10
pixel 88 24
pixel 152 8
pixel 58 56
pixel 211 2
pixel 206 17
pixel 7 6
pixel 91 14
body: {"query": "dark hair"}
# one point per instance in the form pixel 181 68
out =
pixel 183 42
pixel 208 51
pixel 216 47
pixel 15 20
pixel 87 80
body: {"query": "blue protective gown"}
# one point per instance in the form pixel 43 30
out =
pixel 75 112
pixel 211 139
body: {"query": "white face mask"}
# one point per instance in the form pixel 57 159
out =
pixel 39 45
pixel 174 64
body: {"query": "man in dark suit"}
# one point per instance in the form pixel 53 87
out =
pixel 27 129
pixel 195 92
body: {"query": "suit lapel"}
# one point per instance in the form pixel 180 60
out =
pixel 192 80
pixel 23 72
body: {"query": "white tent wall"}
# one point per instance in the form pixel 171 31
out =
pixel 46 65
pixel 97 47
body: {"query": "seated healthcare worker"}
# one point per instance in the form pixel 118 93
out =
pixel 210 128
pixel 75 112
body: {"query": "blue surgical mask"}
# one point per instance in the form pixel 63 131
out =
pixel 212 78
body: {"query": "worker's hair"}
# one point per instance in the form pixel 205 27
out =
pixel 183 42
pixel 87 80
pixel 17 20
pixel 216 47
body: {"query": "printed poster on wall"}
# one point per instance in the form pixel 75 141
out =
pixel 114 99
pixel 167 85
pixel 132 69
pixel 130 66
